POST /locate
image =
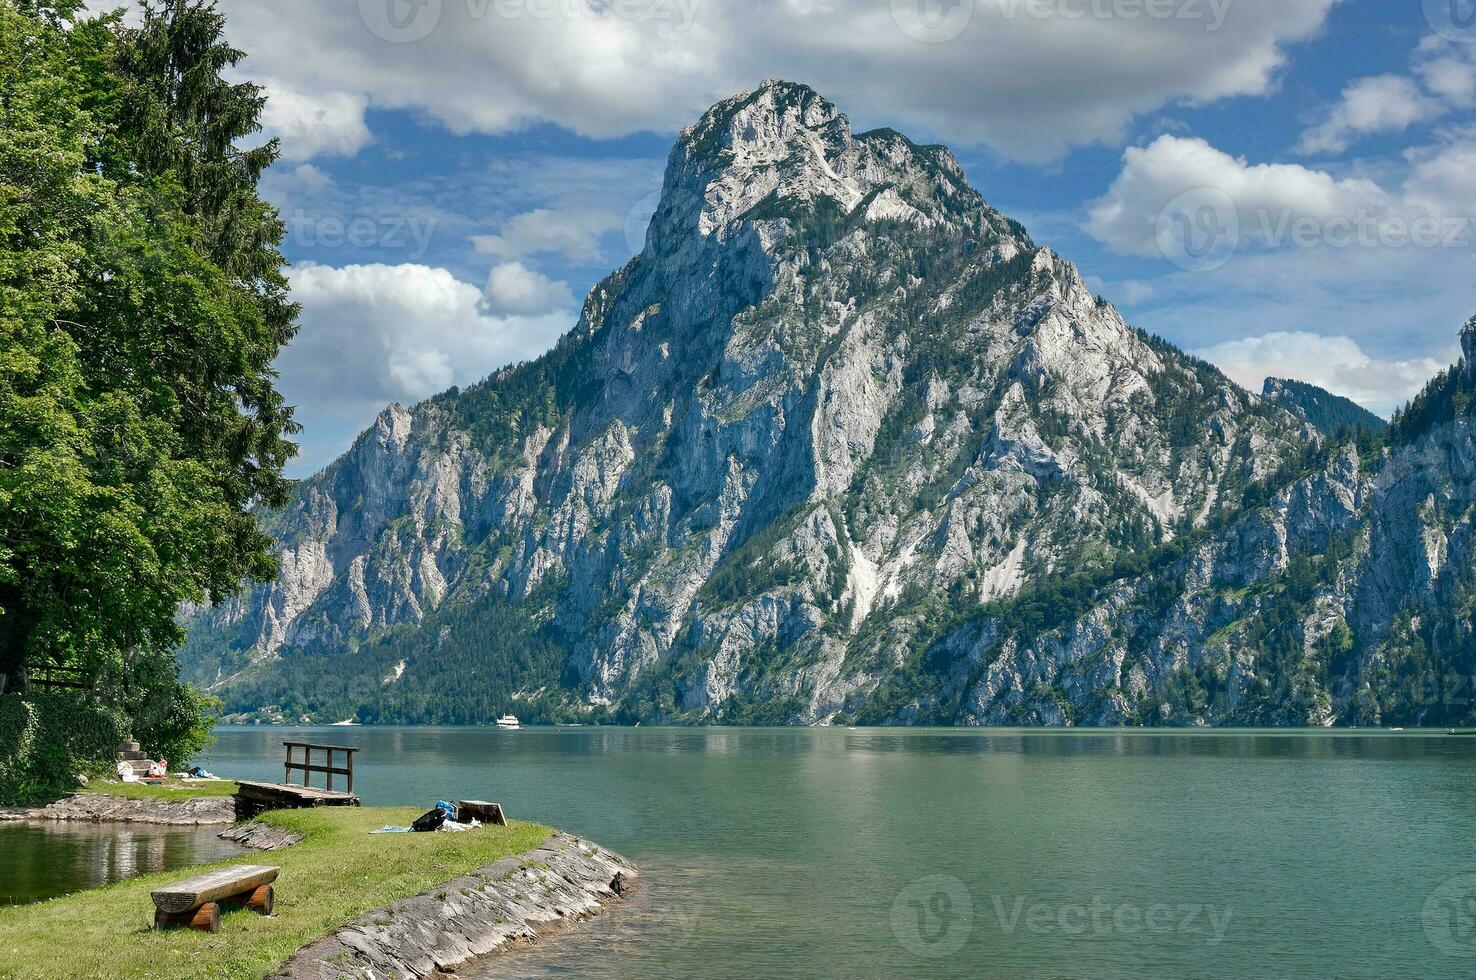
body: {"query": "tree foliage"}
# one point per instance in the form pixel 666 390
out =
pixel 141 305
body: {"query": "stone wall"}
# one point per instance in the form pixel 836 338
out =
pixel 99 807
pixel 505 902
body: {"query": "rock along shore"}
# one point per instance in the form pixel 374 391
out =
pixel 101 807
pixel 564 879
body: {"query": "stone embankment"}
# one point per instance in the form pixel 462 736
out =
pixel 100 807
pixel 261 836
pixel 510 901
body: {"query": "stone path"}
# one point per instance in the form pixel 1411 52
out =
pixel 505 902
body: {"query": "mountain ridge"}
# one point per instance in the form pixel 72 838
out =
pixel 1330 413
pixel 840 444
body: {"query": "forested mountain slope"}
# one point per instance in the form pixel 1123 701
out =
pixel 1333 414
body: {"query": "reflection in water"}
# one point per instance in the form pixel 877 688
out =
pixel 819 853
pixel 43 859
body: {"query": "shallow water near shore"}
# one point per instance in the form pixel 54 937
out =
pixel 44 859
pixel 849 853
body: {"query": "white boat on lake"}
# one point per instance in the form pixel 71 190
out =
pixel 508 721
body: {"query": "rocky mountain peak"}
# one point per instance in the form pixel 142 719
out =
pixel 842 442
pixel 769 122
pixel 782 150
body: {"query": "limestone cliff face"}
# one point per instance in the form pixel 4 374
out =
pixel 841 443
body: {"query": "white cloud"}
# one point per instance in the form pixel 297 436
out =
pixel 573 233
pixel 1136 292
pixel 1448 71
pixel 514 288
pixel 309 178
pixel 1381 104
pixel 1397 298
pixel 1444 79
pixel 320 124
pixel 1443 178
pixel 372 334
pixel 1127 218
pixel 1336 363
pixel 1029 86
pixel 1131 292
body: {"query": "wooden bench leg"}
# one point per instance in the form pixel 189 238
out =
pixel 261 899
pixel 206 918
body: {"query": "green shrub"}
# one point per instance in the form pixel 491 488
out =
pixel 48 739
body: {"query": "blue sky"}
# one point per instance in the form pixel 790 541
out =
pixel 458 173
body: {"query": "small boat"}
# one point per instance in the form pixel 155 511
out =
pixel 508 721
pixel 1396 729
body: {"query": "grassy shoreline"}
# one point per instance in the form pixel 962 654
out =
pixel 338 872
pixel 175 791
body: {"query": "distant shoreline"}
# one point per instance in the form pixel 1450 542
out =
pixel 1442 731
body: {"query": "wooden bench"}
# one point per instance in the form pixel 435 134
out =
pixel 483 811
pixel 196 902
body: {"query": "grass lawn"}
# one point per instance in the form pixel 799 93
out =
pixel 338 872
pixel 175 791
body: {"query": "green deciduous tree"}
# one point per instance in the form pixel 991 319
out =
pixel 142 302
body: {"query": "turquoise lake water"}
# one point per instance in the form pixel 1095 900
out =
pixel 864 853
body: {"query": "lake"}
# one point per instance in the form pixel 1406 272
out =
pixel 44 859
pixel 851 853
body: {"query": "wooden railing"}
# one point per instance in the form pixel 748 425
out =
pixel 306 767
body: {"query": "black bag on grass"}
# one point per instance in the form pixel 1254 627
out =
pixel 430 820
